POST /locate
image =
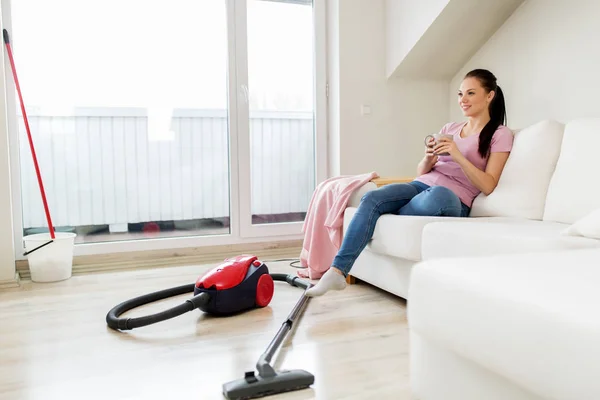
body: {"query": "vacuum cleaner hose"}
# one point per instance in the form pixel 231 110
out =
pixel 114 322
pixel 292 280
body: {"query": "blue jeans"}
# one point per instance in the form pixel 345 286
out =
pixel 414 198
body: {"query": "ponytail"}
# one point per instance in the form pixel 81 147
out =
pixel 497 109
pixel 497 118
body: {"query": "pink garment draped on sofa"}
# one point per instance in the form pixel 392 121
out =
pixel 324 220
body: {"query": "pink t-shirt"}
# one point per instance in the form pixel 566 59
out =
pixel 447 172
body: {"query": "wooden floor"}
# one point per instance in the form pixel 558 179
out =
pixel 56 345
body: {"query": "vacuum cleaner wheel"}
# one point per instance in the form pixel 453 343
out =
pixel 264 290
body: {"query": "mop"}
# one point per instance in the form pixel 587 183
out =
pixel 31 146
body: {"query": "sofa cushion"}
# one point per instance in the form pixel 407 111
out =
pixel 522 188
pixel 399 235
pixel 479 237
pixel 529 318
pixel 573 191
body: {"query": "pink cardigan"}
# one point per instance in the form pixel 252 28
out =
pixel 324 222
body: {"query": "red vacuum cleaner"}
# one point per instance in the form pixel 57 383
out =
pixel 239 284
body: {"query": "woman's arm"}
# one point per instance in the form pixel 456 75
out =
pixel 425 166
pixel 487 180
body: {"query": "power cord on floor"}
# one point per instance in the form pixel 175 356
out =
pixel 295 262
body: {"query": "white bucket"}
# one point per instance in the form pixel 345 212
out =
pixel 53 262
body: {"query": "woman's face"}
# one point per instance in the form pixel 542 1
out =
pixel 473 98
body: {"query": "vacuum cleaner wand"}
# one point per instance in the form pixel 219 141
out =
pixel 263 367
pixel 269 382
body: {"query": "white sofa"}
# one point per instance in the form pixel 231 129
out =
pixel 504 304
pixel 550 180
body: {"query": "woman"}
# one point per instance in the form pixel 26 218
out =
pixel 446 184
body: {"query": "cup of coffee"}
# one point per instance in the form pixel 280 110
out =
pixel 436 137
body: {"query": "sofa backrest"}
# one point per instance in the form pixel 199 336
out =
pixel 574 190
pixel 522 188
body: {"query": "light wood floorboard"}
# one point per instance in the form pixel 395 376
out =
pixel 56 345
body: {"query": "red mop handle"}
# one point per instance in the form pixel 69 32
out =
pixel 35 162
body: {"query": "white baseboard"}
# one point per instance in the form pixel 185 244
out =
pixel 11 283
pixel 172 258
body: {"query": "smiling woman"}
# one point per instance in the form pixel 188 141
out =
pixel 446 185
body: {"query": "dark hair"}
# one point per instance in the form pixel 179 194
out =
pixel 497 108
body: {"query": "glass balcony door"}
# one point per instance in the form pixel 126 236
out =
pixel 164 125
pixel 127 102
pixel 282 116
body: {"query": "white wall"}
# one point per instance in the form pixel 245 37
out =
pixel 406 21
pixel 546 58
pixel 390 139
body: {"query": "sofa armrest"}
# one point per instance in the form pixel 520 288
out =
pixel 354 200
pixel 529 295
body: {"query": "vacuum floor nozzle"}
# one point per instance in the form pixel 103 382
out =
pixel 268 381
pixel 252 386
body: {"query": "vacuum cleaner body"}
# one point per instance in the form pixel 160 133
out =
pixel 238 284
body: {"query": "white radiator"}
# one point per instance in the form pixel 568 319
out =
pixel 103 166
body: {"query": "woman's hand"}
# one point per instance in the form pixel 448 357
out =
pixel 429 156
pixel 449 146
pixel 429 160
